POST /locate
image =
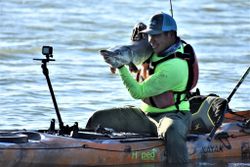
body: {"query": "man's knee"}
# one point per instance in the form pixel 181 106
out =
pixel 101 118
pixel 165 125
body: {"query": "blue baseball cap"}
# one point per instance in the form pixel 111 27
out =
pixel 159 23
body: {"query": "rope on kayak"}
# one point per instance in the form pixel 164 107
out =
pixel 125 149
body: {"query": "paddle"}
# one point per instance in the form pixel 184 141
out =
pixel 217 125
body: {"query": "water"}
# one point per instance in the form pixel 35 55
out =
pixel 219 30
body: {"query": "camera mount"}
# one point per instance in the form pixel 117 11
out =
pixel 48 52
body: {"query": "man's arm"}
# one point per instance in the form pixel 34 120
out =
pixel 170 75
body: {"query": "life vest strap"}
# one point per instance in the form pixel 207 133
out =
pixel 189 56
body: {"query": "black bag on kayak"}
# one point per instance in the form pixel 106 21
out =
pixel 207 112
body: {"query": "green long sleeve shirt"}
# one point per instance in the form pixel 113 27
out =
pixel 169 75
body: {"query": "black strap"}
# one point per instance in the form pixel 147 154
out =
pixel 188 55
pixel 152 65
pixel 178 101
pixel 152 101
pixel 178 98
pixel 184 56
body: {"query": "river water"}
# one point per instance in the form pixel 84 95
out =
pixel 219 30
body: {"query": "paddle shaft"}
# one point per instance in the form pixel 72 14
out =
pixel 238 85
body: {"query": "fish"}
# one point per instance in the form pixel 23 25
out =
pixel 133 54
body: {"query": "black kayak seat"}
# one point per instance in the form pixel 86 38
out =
pixel 207 112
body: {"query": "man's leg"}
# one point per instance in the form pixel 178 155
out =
pixel 173 128
pixel 124 119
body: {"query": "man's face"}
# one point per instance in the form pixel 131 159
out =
pixel 160 42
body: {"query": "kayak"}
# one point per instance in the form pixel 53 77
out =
pixel 89 148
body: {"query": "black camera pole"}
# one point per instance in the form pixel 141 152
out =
pixel 48 52
pixel 46 74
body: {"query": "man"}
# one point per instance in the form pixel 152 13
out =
pixel 165 109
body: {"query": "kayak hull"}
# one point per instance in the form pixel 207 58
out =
pixel 232 139
pixel 60 151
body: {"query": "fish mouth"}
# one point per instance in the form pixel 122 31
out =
pixel 105 52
